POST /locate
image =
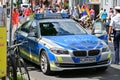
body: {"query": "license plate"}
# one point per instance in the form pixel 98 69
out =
pixel 87 60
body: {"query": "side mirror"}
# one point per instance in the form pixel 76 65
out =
pixel 21 33
pixel 31 34
pixel 96 32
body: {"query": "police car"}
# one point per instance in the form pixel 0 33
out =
pixel 99 30
pixel 57 43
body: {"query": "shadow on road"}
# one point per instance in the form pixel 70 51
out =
pixel 31 66
pixel 111 74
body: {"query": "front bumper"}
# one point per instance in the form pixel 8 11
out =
pixel 65 66
pixel 66 63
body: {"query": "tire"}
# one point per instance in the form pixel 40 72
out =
pixel 11 68
pixel 44 63
pixel 22 72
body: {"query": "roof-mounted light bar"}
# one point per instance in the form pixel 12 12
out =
pixel 51 16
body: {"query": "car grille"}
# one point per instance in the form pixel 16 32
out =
pixel 93 52
pixel 79 53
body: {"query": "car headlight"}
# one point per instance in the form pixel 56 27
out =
pixel 105 49
pixel 59 51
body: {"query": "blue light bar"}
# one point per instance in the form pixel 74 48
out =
pixel 64 15
pixel 51 16
pixel 38 16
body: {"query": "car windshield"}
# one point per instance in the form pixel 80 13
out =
pixel 61 28
pixel 25 6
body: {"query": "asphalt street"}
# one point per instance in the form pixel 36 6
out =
pixel 112 73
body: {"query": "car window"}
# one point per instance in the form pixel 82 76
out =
pixel 72 28
pixel 34 24
pixel 25 26
pixel 25 6
pixel 48 29
pixel 60 28
pixel 34 28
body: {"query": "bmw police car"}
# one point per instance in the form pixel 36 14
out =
pixel 56 43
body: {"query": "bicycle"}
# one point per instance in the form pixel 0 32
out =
pixel 16 68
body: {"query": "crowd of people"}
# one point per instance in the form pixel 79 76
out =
pixel 83 14
pixel 106 17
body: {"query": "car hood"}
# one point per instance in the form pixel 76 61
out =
pixel 75 42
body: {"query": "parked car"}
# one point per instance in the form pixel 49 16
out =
pixel 25 6
pixel 99 30
pixel 56 43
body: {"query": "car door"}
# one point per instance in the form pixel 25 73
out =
pixel 21 35
pixel 33 41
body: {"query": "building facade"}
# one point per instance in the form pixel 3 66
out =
pixel 107 4
pixel 3 2
pixel 96 4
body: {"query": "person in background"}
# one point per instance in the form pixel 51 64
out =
pixel 71 10
pixel 111 14
pixel 42 10
pixel 100 13
pixel 27 12
pixel 48 11
pixel 75 13
pixel 15 20
pixel 58 11
pixel 115 26
pixel 2 16
pixel 107 23
pixel 92 14
pixel 22 19
pixel 63 10
pixel 104 15
pixel 15 17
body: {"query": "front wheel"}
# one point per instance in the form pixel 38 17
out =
pixel 44 63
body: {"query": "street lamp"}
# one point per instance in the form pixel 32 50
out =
pixel 10 31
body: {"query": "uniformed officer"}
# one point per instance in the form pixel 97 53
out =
pixel 115 26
